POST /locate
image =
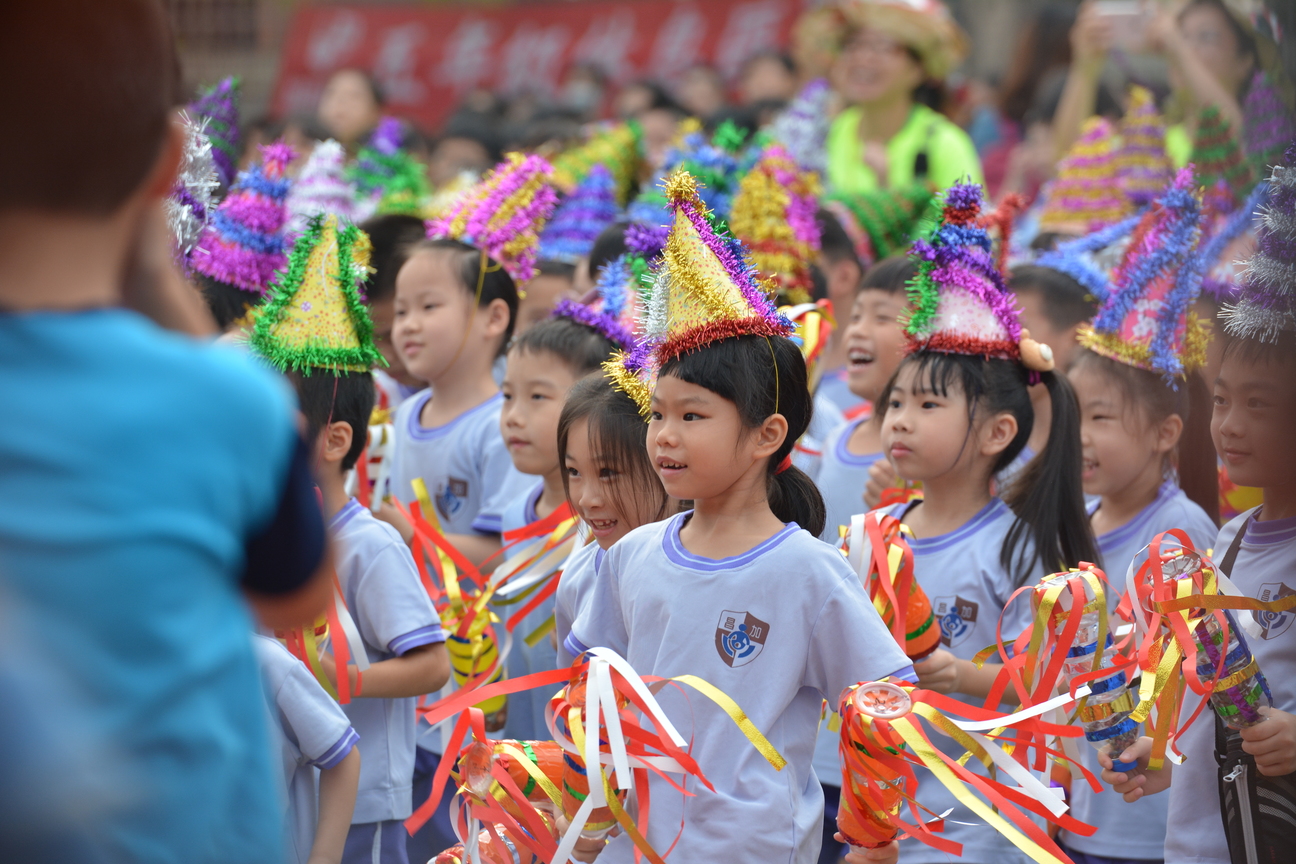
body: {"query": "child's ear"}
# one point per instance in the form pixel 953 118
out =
pixel 335 441
pixel 771 435
pixel 495 317
pixel 1168 432
pixel 997 433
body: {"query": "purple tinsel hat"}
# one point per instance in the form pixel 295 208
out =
pixel 1266 306
pixel 219 105
pixel 244 244
pixel 616 310
pixel 802 128
pixel 580 218
pixel 320 187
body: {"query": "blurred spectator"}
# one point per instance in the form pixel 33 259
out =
pixel 767 77
pixel 465 145
pixel 637 97
pixel 350 107
pixel 701 91
pixel 582 91
pixel 300 133
pixel 658 114
pixel 812 42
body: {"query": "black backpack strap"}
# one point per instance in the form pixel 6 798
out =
pixel 1226 564
pixel 922 163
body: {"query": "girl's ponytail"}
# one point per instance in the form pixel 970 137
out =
pixel 1048 496
pixel 1198 471
pixel 794 497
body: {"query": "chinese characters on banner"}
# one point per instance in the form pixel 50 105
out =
pixel 426 58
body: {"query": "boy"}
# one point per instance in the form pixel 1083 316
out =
pixel 153 482
pixel 841 269
pixel 315 330
pixel 554 281
pixel 391 237
pixel 317 747
pixel 1255 409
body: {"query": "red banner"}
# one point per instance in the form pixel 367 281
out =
pixel 427 58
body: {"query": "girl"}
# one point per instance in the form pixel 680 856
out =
pixel 610 482
pixel 711 592
pixel 956 413
pixel 1136 430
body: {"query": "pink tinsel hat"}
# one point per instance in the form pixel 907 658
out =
pixel 244 244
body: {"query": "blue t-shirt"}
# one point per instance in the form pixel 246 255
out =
pixel 137 465
pixel 841 479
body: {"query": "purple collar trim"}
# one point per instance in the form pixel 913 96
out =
pixel 675 551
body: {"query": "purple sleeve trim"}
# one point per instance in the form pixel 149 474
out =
pixel 907 673
pixel 488 523
pixel 338 751
pixel 574 646
pixel 429 635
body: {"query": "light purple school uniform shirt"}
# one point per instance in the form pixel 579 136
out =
pixel 573 595
pixel 313 733
pixel 779 629
pixel 1132 830
pixel 1265 568
pixel 841 478
pixel 463 463
pixel 394 615
pixel 968 587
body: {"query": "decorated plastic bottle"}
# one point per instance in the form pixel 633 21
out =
pixel 1240 689
pixel 477 763
pixel 871 793
pixel 1105 713
pixel 575 777
pixel 471 655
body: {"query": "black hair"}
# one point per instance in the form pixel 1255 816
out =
pixel 226 302
pixel 891 274
pixel 375 89
pixel 579 346
pixel 561 269
pixel 344 398
pixel 1245 41
pixel 113 69
pixel 1047 496
pixel 763 377
pixel 391 235
pixel 617 436
pixel 782 58
pixel 1280 352
pixel 835 244
pixel 1147 394
pixel 1066 302
pixel 472 265
pixel 608 246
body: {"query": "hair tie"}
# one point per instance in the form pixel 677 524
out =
pixel 784 465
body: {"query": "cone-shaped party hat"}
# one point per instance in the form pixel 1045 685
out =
pixel 387 179
pixel 1142 163
pixel 580 218
pixel 219 105
pixel 1268 123
pixel 774 216
pixel 802 127
pixel 316 319
pixel 712 165
pixel 959 299
pixel 244 244
pixel 189 206
pixel 445 197
pixel 1266 306
pixel 882 222
pixel 321 187
pixel 1091 259
pixel 1220 164
pixel 1227 242
pixel 504 214
pixel 1145 320
pixel 617 148
pixel 616 310
pixel 1086 194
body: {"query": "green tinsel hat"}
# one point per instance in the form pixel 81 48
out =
pixel 1220 164
pixel 315 318
pixel 617 148
pixel 883 222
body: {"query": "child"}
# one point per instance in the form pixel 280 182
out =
pixel 553 282
pixel 842 271
pixel 707 592
pixel 1135 430
pixel 1255 410
pixel 874 342
pixel 610 482
pixel 543 364
pixel 317 746
pixel 392 235
pixel 957 412
pixel 455 308
pixel 315 329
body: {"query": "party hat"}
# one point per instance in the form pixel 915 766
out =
pixel 1091 259
pixel 444 198
pixel 373 165
pixel 802 127
pixel 219 105
pixel 959 299
pixel 1227 243
pixel 616 310
pixel 504 214
pixel 1141 162
pixel 1086 194
pixel 617 148
pixel 774 216
pixel 1220 164
pixel 882 222
pixel 315 319
pixel 321 187
pixel 1146 320
pixel 713 166
pixel 189 206
pixel 1268 124
pixel 244 244
pixel 1267 303
pixel 580 218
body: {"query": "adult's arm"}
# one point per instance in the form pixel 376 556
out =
pixel 1091 39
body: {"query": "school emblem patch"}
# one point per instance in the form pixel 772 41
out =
pixel 452 497
pixel 740 637
pixel 957 618
pixel 1273 623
